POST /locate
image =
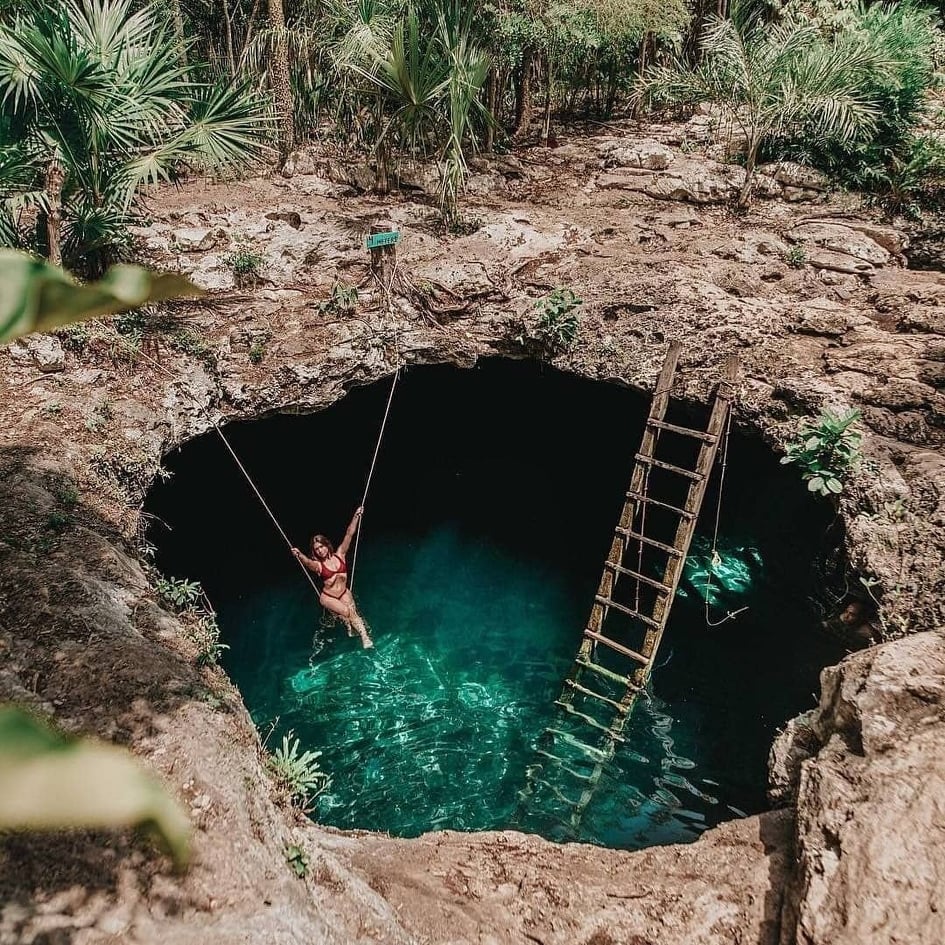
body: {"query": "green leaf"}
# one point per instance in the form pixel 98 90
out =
pixel 815 484
pixel 49 782
pixel 834 485
pixel 36 296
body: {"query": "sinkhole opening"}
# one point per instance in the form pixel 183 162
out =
pixel 491 512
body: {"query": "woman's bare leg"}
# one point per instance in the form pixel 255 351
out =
pixel 357 621
pixel 346 609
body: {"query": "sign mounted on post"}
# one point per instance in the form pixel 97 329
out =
pixel 388 238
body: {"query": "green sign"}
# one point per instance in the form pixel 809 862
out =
pixel 376 240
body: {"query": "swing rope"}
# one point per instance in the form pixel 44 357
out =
pixel 367 484
pixel 216 427
pixel 714 558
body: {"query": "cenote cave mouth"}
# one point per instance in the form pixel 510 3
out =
pixel 491 510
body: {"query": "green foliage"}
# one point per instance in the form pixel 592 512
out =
pixel 95 103
pixel 179 592
pixel 40 297
pixel 826 450
pixel 298 772
pixel 889 156
pixel 199 618
pixel 558 320
pixel 796 257
pixel 257 352
pixel 245 265
pixel 297 859
pixel 51 782
pixel 786 82
pixel 342 301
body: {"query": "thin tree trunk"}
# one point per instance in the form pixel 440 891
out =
pixel 180 38
pixel 523 115
pixel 751 157
pixel 55 178
pixel 281 82
pixel 229 37
pixel 546 124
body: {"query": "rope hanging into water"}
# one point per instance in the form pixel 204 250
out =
pixel 714 558
pixel 367 484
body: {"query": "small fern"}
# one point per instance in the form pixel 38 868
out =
pixel 298 772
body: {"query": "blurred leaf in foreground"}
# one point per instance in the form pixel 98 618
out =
pixel 35 296
pixel 50 782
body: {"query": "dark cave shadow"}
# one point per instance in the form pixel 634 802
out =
pixel 79 632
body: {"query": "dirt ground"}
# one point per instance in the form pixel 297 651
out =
pixel 810 290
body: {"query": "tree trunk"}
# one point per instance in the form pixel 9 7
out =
pixel 751 157
pixel 229 37
pixel 546 124
pixel 523 113
pixel 281 83
pixel 55 178
pixel 180 37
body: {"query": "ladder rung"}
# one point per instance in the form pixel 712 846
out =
pixel 630 612
pixel 584 717
pixel 683 431
pixel 595 695
pixel 617 647
pixel 682 513
pixel 630 533
pixel 596 753
pixel 563 765
pixel 659 585
pixel 607 673
pixel 650 461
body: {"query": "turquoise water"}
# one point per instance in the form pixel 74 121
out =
pixel 476 571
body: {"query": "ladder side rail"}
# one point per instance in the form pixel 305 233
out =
pixel 686 528
pixel 658 407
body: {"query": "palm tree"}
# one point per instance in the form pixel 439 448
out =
pixel 775 81
pixel 427 79
pixel 95 104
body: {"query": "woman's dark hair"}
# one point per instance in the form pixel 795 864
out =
pixel 322 540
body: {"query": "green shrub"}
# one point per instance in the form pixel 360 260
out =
pixel 298 773
pixel 199 620
pixel 180 593
pixel 558 320
pixel 796 257
pixel 342 301
pixel 297 859
pixel 826 450
pixel 245 265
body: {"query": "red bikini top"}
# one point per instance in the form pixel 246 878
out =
pixel 328 573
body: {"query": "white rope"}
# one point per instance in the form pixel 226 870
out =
pixel 714 559
pixel 367 484
pixel 157 364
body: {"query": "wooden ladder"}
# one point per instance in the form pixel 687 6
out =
pixel 612 669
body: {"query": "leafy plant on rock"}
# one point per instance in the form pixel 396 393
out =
pixel 826 450
pixel 298 772
pixel 199 618
pixel 558 320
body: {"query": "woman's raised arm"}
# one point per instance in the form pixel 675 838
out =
pixel 349 534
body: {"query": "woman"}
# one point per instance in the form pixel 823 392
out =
pixel 330 565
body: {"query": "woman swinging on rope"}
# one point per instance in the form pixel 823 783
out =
pixel 329 564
